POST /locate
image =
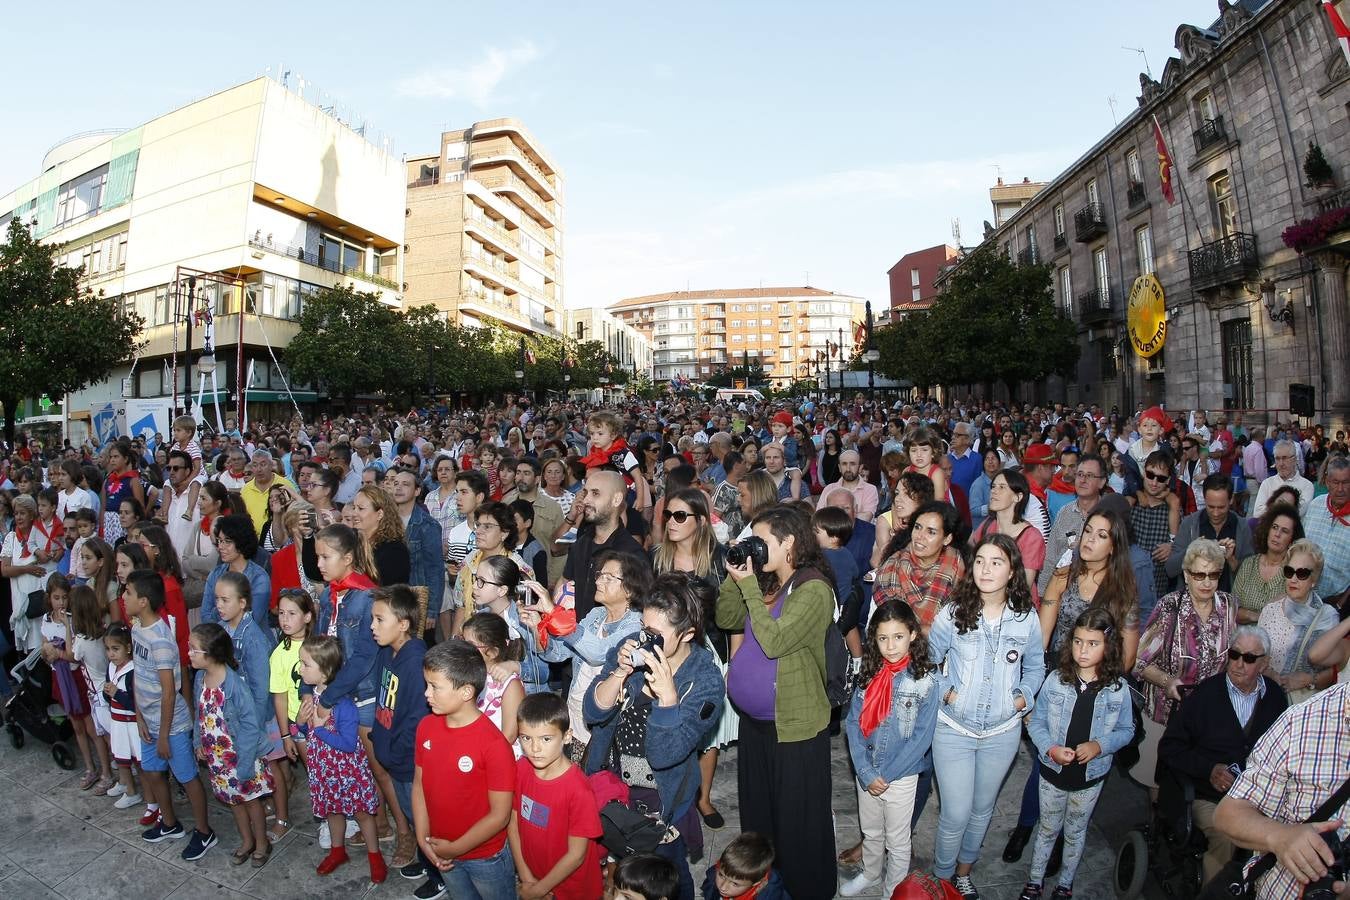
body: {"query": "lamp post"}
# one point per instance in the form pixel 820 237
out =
pixel 840 347
pixel 871 355
pixel 828 353
pixel 520 367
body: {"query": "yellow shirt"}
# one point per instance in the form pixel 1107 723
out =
pixel 255 500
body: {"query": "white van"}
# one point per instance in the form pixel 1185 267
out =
pixel 734 395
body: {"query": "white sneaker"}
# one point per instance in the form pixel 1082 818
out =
pixel 127 801
pixel 325 838
pixel 856 885
pixel 116 790
pixel 353 827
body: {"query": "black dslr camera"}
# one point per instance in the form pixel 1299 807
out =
pixel 647 642
pixel 753 549
pixel 1321 889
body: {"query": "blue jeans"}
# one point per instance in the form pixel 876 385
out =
pixel 403 793
pixel 969 772
pixel 493 878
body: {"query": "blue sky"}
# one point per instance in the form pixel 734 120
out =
pixel 703 144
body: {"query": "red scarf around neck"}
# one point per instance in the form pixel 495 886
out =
pixel 1341 514
pixel 601 457
pixel 206 524
pixel 877 697
pixel 56 532
pixel 350 581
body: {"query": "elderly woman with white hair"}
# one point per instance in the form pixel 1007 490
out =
pixel 1185 642
pixel 1296 621
pixel 19 563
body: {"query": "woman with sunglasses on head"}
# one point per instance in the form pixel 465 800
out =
pixel 1296 621
pixel 1183 643
pixel 689 545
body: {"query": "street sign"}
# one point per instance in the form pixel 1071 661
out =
pixel 44 404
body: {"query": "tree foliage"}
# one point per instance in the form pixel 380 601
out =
pixel 995 321
pixel 726 376
pixel 55 336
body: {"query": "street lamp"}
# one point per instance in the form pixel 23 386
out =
pixel 871 356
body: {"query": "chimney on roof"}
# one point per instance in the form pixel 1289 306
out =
pixel 1000 181
pixel 1026 180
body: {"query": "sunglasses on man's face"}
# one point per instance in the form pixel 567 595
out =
pixel 1300 573
pixel 679 515
pixel 1249 658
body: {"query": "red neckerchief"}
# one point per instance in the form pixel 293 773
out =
pixel 877 697
pixel 113 483
pixel 1060 486
pixel 22 537
pixel 58 531
pixel 1037 491
pixel 206 525
pixel 350 581
pixel 1340 516
pixel 601 456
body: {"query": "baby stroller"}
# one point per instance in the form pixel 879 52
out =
pixel 30 710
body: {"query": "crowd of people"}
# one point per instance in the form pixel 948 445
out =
pixel 483 636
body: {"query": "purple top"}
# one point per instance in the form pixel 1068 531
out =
pixel 752 678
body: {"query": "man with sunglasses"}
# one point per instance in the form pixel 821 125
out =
pixel 1218 522
pixel 1210 736
pixel 176 513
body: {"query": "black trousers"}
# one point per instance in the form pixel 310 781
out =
pixel 784 793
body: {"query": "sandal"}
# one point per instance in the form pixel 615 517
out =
pixel 851 857
pixel 405 850
pixel 240 856
pixel 89 780
pixel 279 829
pixel 260 859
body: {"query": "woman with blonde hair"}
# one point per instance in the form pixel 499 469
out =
pixel 377 520
pixel 757 493
pixel 1296 621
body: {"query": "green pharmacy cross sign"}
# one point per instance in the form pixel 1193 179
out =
pixel 45 404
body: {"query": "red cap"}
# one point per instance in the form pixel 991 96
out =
pixel 783 417
pixel 1038 455
pixel 1156 414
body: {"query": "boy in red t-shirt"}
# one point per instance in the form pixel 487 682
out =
pixel 465 779
pixel 554 822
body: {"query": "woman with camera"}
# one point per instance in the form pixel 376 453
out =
pixel 653 704
pixel 621 581
pixel 779 590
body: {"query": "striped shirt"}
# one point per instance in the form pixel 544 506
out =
pixel 1334 539
pixel 1295 766
pixel 1244 704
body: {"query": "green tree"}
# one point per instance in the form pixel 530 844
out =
pixel 727 376
pixel 351 343
pixel 995 321
pixel 55 337
pixel 645 388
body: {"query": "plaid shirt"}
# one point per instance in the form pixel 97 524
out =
pixel 1334 539
pixel 1296 765
pixel 925 590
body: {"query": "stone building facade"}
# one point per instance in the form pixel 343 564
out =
pixel 1247 316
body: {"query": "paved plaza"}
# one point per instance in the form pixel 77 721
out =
pixel 56 841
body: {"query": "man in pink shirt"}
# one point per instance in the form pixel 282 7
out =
pixel 865 496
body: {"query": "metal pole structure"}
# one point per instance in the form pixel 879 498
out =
pixel 187 349
pixel 239 380
pixel 825 399
pixel 841 365
pixel 520 372
pixel 871 383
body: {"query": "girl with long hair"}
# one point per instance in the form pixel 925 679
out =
pixel 1009 494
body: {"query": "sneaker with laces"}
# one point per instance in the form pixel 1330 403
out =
pixel 325 836
pixel 1031 892
pixel 1062 892
pixel 856 885
pixel 413 870
pixel 965 886
pixel 430 889
pixel 161 832
pixel 198 845
pixel 127 801
pixel 149 817
pixel 117 790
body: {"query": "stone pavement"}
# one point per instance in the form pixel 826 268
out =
pixel 56 841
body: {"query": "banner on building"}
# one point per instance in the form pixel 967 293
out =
pixel 103 419
pixel 1146 316
pixel 147 417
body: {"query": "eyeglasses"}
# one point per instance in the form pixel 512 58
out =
pixel 1248 658
pixel 480 582
pixel 1157 476
pixel 1203 576
pixel 608 576
pixel 679 515
pixel 175 468
pixel 1301 574
pixel 1189 447
pixel 1088 476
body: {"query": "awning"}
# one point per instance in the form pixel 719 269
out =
pixel 254 396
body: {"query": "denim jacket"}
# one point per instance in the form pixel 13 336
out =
pixel 533 668
pixel 259 588
pixel 587 644
pixel 988 679
pixel 253 651
pixel 1112 722
pixel 898 746
pixel 241 720
pixel 356 678
pixel 423 536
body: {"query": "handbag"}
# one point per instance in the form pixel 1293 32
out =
pixel 37 605
pixel 1233 882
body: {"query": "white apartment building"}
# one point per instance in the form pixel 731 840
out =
pixel 627 344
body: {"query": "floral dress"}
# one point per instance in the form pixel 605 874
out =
pixel 340 782
pixel 230 785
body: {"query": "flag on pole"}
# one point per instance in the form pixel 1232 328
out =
pixel 1338 25
pixel 1164 163
pixel 529 357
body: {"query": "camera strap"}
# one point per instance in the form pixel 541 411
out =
pixel 1323 813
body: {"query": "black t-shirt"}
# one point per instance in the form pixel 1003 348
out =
pixel 580 562
pixel 1073 777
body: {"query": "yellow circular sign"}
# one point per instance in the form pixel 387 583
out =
pixel 1146 316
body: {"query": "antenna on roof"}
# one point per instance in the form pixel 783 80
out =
pixel 956 233
pixel 1140 51
pixel 1111 102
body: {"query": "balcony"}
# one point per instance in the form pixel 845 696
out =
pixel 328 265
pixel 714 312
pixel 1210 133
pixel 505 181
pixel 495 271
pixel 1135 194
pixel 1229 260
pixel 494 234
pixel 1028 257
pixel 1095 305
pixel 506 150
pixel 1061 241
pixel 1337 200
pixel 1089 222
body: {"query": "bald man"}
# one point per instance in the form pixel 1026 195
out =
pixel 865 496
pixel 597 515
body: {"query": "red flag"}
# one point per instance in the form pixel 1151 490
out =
pixel 1164 163
pixel 1338 25
pixel 529 357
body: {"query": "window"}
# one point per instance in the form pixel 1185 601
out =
pixel 1157 363
pixel 766 307
pixel 766 339
pixel 1132 166
pixel 1205 108
pixel 1059 220
pixel 1031 242
pixel 766 323
pixel 1092 195
pixel 735 323
pixel 1222 205
pixel 1236 339
pixel 1143 245
pixel 736 339
pixel 913 277
pixel 1101 274
pixel 1065 290
pixel 1106 364
pixel 915 295
pixel 736 307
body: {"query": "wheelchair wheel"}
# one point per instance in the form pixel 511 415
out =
pixel 1131 866
pixel 64 758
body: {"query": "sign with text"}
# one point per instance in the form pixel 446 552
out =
pixel 1146 316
